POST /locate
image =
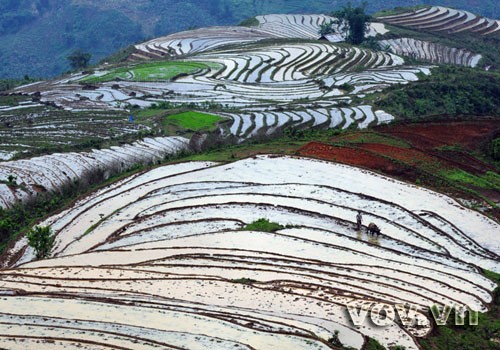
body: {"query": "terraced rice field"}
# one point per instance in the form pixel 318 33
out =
pixel 265 78
pixel 167 265
pixel 198 40
pixel 38 127
pixel 443 19
pixel 51 173
pixel 273 85
pixel 275 26
pixel 306 26
pixel 265 123
pixel 432 52
pixel 251 75
pixel 257 77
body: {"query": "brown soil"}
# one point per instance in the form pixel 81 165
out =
pixel 470 135
pixel 409 156
pixel 357 157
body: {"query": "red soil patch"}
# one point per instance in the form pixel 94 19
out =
pixel 353 156
pixel 430 135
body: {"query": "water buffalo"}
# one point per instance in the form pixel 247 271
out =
pixel 373 229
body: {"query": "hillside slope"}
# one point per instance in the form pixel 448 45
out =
pixel 176 262
pixel 37 35
pixel 255 82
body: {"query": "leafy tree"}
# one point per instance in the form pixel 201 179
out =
pixel 79 59
pixel 353 21
pixel 326 28
pixel 41 238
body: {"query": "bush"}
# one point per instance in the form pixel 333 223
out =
pixel 372 344
pixel 41 239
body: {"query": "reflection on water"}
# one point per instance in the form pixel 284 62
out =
pixel 370 239
pixel 374 240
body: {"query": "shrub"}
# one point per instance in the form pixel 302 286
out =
pixel 11 180
pixel 41 239
pixel 372 344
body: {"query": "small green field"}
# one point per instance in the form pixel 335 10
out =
pixel 194 121
pixel 155 71
pixel 263 225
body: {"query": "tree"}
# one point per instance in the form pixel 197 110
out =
pixel 41 239
pixel 326 28
pixel 353 21
pixel 79 59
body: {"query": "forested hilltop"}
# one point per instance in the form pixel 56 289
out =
pixel 36 36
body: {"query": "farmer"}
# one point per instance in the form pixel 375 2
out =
pixel 359 219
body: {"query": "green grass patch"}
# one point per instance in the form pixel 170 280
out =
pixel 488 181
pixel 154 71
pixel 194 121
pixel 495 277
pixel 371 137
pixel 263 225
pixel 484 336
